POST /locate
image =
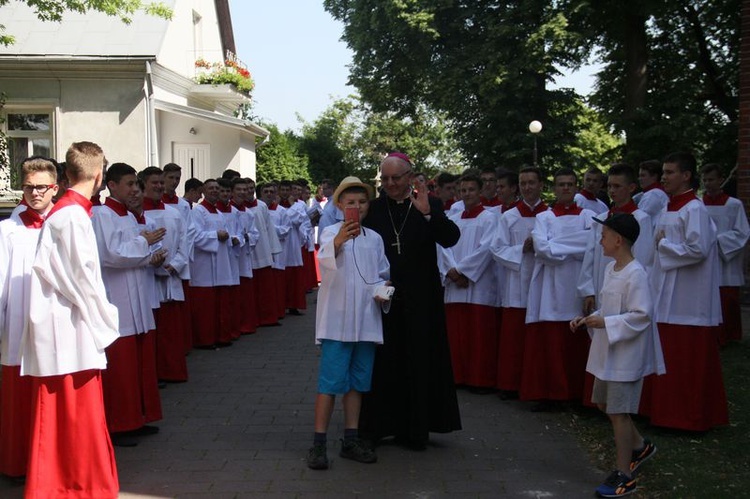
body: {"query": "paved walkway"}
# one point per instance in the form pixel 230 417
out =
pixel 241 427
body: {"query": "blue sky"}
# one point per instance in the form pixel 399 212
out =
pixel 293 51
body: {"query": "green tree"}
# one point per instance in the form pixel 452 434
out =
pixel 485 64
pixel 53 10
pixel 671 72
pixel 280 158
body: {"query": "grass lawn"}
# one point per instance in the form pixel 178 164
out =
pixel 687 465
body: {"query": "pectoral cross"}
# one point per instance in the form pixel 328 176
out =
pixel 397 244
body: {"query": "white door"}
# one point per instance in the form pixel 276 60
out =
pixel 195 160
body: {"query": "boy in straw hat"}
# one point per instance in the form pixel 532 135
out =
pixel 348 323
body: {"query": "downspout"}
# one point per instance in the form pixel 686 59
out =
pixel 151 139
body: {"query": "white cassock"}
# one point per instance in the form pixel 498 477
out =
pixel 125 256
pixel 559 246
pixel 628 347
pixel 732 232
pixel 507 249
pixel 596 205
pixel 346 309
pixel 232 225
pixel 211 264
pixel 268 241
pixel 471 257
pixel 169 287
pixel 686 275
pixel 591 276
pixel 250 236
pixel 67 282
pixel 653 201
pixel 283 226
pixel 297 216
pixel 183 207
pixel 17 250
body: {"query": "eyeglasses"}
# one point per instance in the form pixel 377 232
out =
pixel 395 178
pixel 41 188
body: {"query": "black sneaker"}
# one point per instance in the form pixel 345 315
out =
pixel 617 485
pixel 356 450
pixel 642 455
pixel 317 458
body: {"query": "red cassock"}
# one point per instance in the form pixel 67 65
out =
pixel 311 273
pixel 296 287
pixel 554 362
pixel 188 322
pixel 67 456
pixel 204 310
pixel 131 392
pixel 15 421
pixel 265 282
pixel 690 396
pixel 472 334
pixel 280 282
pixel 510 348
pixel 731 327
pixel 247 306
pixel 171 321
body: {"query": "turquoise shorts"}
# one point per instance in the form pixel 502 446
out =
pixel 345 366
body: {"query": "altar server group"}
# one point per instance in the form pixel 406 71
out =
pixel 522 270
pixel 101 302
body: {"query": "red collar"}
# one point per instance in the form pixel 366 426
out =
pixel 628 207
pixel 116 206
pixel 71 197
pixel 166 198
pixel 23 202
pixel 240 207
pixel 320 199
pixel 140 218
pixel 96 200
pixel 718 200
pixel 472 213
pixel 588 195
pixel 679 200
pixel 150 204
pixel 510 206
pixel 447 205
pixel 655 185
pixel 251 204
pixel 285 203
pixel 224 208
pixel 526 211
pixel 273 206
pixel 560 209
pixel 31 219
pixel 490 202
pixel 211 208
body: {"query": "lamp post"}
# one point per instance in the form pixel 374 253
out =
pixel 535 127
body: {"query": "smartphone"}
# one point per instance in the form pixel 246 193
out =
pixel 351 214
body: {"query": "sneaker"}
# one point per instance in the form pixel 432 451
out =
pixel 616 485
pixel 317 458
pixel 642 455
pixel 356 450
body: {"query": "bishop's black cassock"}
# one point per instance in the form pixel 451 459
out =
pixel 413 392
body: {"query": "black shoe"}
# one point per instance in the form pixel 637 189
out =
pixel 356 450
pixel 144 430
pixel 161 384
pixel 122 439
pixel 547 406
pixel 317 458
pixel 224 344
pixel 508 395
pixel 295 311
pixel 481 390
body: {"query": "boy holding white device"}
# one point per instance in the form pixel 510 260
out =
pixel 348 324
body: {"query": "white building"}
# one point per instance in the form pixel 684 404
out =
pixel 128 87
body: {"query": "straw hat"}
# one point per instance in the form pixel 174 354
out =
pixel 351 182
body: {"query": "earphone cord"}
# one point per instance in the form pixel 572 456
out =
pixel 354 255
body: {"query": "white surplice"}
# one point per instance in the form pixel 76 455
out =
pixel 66 282
pixel 507 249
pixel 686 275
pixel 628 347
pixel 283 226
pixel 559 246
pixel 346 309
pixel 169 287
pixel 268 240
pixel 210 265
pixel 732 232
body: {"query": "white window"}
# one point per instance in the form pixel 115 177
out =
pixel 29 134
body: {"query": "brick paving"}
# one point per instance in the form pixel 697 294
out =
pixel 241 427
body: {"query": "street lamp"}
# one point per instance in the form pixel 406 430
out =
pixel 535 127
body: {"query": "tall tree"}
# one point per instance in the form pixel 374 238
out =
pixel 280 158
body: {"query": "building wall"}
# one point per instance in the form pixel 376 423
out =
pixel 108 112
pixel 184 42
